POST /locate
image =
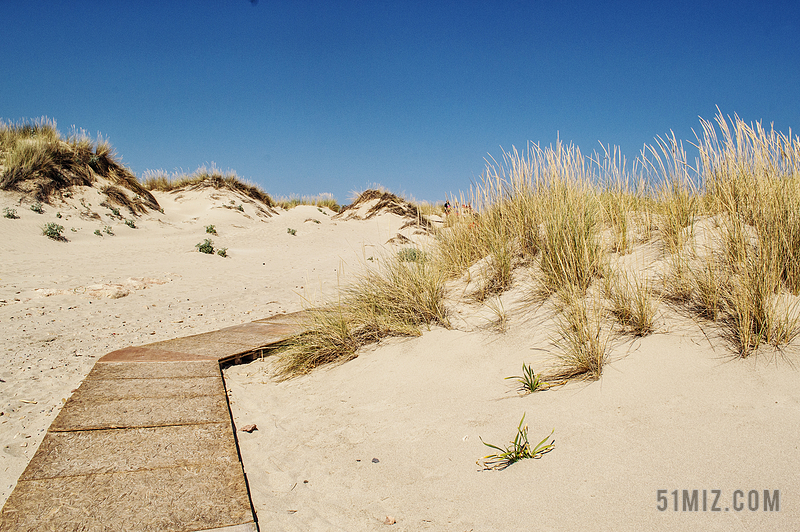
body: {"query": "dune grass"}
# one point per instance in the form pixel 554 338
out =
pixel 395 299
pixel 37 160
pixel 562 217
pixel 205 177
pixel 320 200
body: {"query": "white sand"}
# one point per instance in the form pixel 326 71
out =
pixel 670 412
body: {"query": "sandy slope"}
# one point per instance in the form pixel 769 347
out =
pixel 64 304
pixel 671 412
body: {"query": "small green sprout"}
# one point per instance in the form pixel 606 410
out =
pixel 517 450
pixel 107 230
pixel 222 252
pixel 210 229
pixel 131 224
pixel 97 232
pixel 291 231
pixel 529 381
pixel 10 213
pixel 37 208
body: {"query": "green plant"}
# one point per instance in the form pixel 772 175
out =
pixel 131 224
pixel 107 230
pixel 97 232
pixel 411 255
pixel 53 230
pixel 206 246
pixel 115 212
pixel 10 213
pixel 292 232
pixel 517 450
pixel 240 208
pixel 37 208
pixel 222 252
pixel 210 229
pixel 58 215
pixel 529 381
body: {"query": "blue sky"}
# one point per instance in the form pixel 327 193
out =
pixel 311 96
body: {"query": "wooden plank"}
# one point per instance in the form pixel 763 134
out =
pixel 112 389
pixel 153 370
pixel 78 414
pixel 179 499
pixel 91 452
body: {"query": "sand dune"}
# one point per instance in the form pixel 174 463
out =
pixel 392 436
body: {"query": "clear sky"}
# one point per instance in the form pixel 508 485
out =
pixel 310 96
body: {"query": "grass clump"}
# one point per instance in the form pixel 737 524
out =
pixel 222 252
pixel 291 231
pixel 394 299
pixel 206 246
pixel 10 213
pixel 107 230
pixel 632 302
pixel 54 231
pixel 519 449
pixel 131 224
pixel 582 346
pixel 97 232
pixel 37 208
pixel 210 229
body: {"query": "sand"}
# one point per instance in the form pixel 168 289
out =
pixel 393 436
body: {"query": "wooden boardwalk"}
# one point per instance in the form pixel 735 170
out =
pixel 147 442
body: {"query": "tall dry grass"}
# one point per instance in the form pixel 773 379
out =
pixel 205 177
pixel 37 160
pixel 395 299
pixel 561 216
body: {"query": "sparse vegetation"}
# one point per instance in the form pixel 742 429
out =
pixel 97 232
pixel 205 177
pixel 10 213
pixel 210 229
pixel 322 200
pixel 131 224
pixel 54 231
pixel 291 231
pixel 519 449
pixel 107 230
pixel 206 246
pixel 222 252
pixel 37 208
